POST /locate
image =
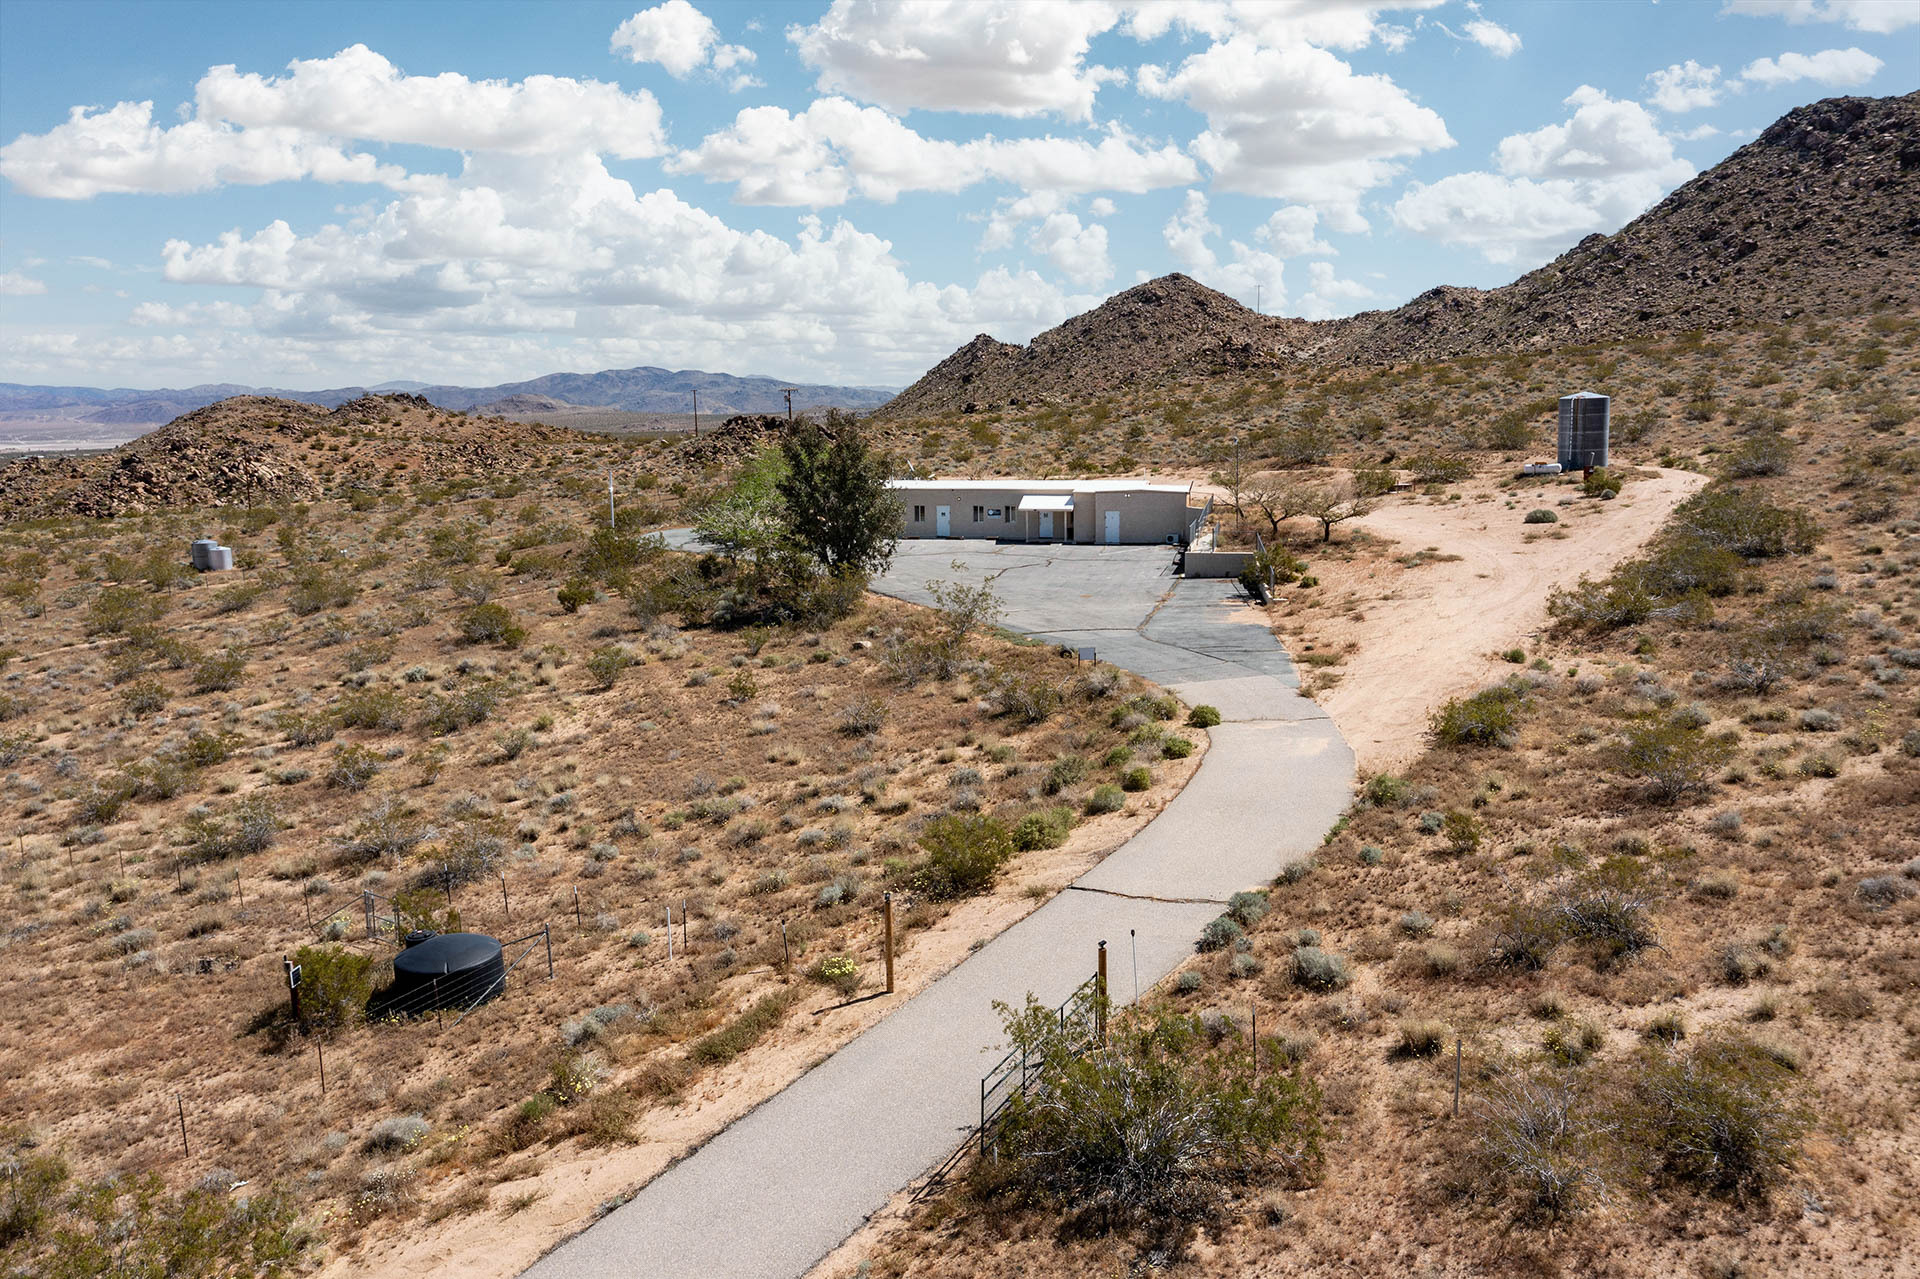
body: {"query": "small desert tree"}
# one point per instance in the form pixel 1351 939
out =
pixel 838 509
pixel 1335 504
pixel 746 521
pixel 1277 499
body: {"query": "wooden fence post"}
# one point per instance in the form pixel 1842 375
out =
pixel 886 907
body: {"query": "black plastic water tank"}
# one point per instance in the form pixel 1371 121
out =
pixel 445 970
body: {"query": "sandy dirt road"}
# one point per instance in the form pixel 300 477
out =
pixel 1421 633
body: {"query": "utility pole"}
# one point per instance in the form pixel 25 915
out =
pixel 788 392
pixel 696 414
pixel 611 522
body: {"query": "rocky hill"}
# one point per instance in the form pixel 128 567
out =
pixel 252 450
pixel 1820 213
pixel 654 390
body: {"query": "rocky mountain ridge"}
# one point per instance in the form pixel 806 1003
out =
pixel 1820 214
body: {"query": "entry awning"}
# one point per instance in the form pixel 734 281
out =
pixel 1046 502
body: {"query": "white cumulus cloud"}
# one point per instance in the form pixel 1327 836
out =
pixel 1881 17
pixel 248 130
pixel 1607 163
pixel 1006 57
pixel 1685 86
pixel 1493 37
pixel 1252 276
pixel 1297 123
pixel 16 284
pixel 1076 251
pixel 836 150
pixel 1838 68
pixel 681 39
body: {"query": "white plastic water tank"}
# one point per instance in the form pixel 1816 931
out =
pixel 221 560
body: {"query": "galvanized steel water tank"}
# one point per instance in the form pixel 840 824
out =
pixel 1583 431
pixel 202 551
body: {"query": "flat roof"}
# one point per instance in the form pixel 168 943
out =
pixel 1041 486
pixel 1046 502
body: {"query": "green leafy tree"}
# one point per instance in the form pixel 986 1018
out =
pixel 747 520
pixel 838 509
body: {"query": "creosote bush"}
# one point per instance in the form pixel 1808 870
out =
pixel 1154 1130
pixel 1488 718
pixel 964 855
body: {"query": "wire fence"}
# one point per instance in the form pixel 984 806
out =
pixel 1018 1074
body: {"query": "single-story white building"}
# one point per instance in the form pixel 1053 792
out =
pixel 1110 512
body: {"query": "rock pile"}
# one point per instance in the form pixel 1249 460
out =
pixel 734 441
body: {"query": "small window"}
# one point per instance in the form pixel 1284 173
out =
pixel 979 513
pixel 1009 515
pixel 919 515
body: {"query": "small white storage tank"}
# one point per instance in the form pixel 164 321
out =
pixel 222 559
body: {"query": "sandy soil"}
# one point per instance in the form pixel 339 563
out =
pixel 1415 635
pixel 563 1186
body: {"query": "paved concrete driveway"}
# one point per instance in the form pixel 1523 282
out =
pixel 779 1189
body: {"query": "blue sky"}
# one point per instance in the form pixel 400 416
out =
pixel 312 195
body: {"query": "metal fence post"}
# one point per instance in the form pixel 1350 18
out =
pixel 546 931
pixel 1100 996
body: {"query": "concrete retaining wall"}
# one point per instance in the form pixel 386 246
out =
pixel 1216 563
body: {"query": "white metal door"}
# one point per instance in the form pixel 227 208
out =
pixel 1046 524
pixel 943 521
pixel 1113 528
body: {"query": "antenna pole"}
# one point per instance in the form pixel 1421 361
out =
pixel 789 394
pixel 696 415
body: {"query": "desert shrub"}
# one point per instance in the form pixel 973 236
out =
pixel 1719 1116
pixel 1027 699
pixel 1439 468
pixel 1572 1043
pixel 1175 747
pixel 1137 779
pixel 491 624
pixel 1612 919
pixel 576 594
pixel 607 664
pixel 1674 758
pixel 1271 566
pixel 1043 828
pixel 397 1134
pixel 744 1031
pixel 964 855
pixel 353 767
pixel 335 985
pixel 1601 482
pixel 463 708
pixel 1220 933
pixel 220 672
pixel 1538 1140
pixel 144 696
pixel 1745 524
pixel 838 971
pixel 1421 1039
pixel 1067 770
pixel 1159 1126
pixel 119 609
pixel 1488 718
pixel 1318 969
pixel 318 587
pixel 1462 830
pixel 375 708
pixel 307 728
pixel 1247 908
pixel 1106 798
pixel 1540 515
pixel 1757 455
pixel 250 826
pixel 388 829
pixel 1204 717
pixel 133 1225
pixel 864 716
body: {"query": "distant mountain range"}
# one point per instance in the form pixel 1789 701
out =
pixel 641 390
pixel 1820 213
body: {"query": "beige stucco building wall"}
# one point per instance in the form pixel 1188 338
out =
pixel 1140 512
